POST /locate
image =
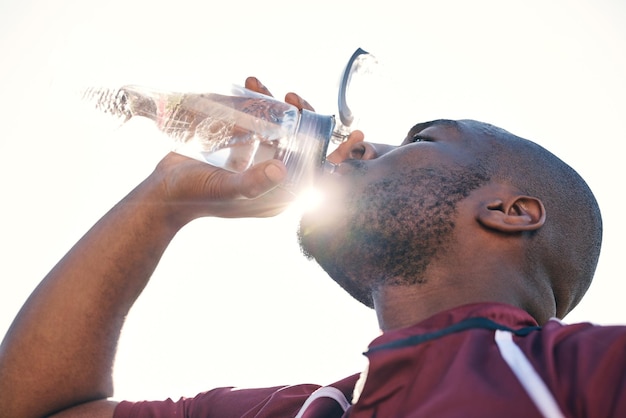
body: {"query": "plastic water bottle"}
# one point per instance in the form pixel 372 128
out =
pixel 239 128
pixel 232 131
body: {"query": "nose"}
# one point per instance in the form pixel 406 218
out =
pixel 355 148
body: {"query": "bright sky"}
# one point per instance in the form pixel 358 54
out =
pixel 233 302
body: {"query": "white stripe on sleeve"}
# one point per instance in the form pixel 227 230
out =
pixel 325 392
pixel 527 375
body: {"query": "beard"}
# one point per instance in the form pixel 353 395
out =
pixel 387 232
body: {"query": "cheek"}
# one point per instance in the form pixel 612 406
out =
pixel 382 149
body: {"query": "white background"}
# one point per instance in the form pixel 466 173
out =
pixel 233 302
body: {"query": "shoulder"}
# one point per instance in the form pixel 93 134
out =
pixel 582 343
pixel 583 364
pixel 582 336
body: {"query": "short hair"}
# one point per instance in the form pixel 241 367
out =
pixel 568 246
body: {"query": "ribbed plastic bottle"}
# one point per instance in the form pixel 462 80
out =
pixel 233 131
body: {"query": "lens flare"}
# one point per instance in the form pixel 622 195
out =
pixel 309 200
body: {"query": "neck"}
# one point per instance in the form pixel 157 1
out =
pixel 402 306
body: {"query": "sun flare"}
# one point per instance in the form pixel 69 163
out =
pixel 309 200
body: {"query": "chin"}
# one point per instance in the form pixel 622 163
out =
pixel 310 233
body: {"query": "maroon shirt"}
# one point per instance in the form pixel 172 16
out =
pixel 480 360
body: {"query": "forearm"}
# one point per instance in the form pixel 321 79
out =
pixel 60 349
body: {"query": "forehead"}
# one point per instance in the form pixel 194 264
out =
pixel 460 130
pixel 445 127
pixel 464 141
pixel 444 123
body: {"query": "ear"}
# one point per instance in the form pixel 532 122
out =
pixel 517 214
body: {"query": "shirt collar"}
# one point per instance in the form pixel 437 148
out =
pixel 507 315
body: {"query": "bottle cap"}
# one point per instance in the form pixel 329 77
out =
pixel 308 152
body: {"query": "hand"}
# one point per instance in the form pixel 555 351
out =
pixel 197 189
pixel 193 189
pixel 253 83
pixel 343 152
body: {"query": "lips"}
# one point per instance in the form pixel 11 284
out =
pixel 338 179
pixel 348 166
pixel 329 168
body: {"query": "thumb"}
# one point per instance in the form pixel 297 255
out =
pixel 261 178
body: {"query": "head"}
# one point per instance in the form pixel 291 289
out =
pixel 457 201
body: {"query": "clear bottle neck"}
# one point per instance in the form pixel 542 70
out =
pixel 306 155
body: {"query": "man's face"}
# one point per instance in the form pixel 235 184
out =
pixel 385 218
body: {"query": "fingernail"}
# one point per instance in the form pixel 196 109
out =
pixel 298 99
pixel 274 173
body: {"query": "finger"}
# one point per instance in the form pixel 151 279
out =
pixel 344 150
pixel 297 101
pixel 253 83
pixel 261 178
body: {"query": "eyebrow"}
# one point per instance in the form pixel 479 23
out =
pixel 437 122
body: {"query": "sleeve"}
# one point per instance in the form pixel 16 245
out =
pixel 589 369
pixel 282 401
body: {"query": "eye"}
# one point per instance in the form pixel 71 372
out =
pixel 419 138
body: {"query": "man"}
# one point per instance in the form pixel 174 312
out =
pixel 465 239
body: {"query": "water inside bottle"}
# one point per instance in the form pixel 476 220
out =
pixel 226 131
pixel 239 157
